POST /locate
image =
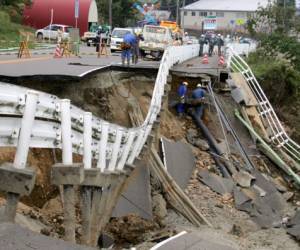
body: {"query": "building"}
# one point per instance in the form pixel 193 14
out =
pixel 230 15
pixel 38 14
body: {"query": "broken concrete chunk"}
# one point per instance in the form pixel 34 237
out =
pixel 201 144
pixel 288 195
pixel 243 178
pixel 279 184
pixel 216 183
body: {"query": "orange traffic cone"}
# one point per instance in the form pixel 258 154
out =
pixel 205 59
pixel 221 61
pixel 57 53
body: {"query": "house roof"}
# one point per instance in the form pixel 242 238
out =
pixel 227 5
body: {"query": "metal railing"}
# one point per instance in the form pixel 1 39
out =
pixel 276 131
pixel 57 124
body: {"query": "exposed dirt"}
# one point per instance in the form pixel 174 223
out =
pixel 44 205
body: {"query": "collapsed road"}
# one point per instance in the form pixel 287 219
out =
pixel 128 178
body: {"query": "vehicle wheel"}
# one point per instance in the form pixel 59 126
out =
pixel 112 50
pixel 88 44
pixel 40 36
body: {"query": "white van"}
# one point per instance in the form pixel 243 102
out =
pixel 117 37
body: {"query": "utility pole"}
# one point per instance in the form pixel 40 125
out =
pixel 110 12
pixel 183 5
pixel 177 12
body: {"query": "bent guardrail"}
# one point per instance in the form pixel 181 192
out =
pixel 277 134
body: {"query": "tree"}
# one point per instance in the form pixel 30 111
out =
pixel 123 14
pixel 275 17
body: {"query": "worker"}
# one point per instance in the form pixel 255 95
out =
pixel 211 44
pixel 202 41
pixel 136 47
pixel 198 96
pixel 128 42
pixel 182 93
pixel 186 38
pixel 220 43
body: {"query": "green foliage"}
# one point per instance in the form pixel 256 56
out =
pixel 122 12
pixel 275 17
pixel 9 31
pixel 276 74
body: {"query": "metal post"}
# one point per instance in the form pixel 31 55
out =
pixel 183 5
pixel 22 151
pixel 87 140
pixel 25 131
pixel 66 132
pixel 110 12
pixel 103 142
pixel 177 12
pixel 68 190
pixel 86 191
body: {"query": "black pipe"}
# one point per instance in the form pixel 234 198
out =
pixel 227 168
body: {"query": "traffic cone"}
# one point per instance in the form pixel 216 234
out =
pixel 205 59
pixel 57 53
pixel 221 61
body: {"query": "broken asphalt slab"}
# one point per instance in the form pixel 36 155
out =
pixel 218 184
pixel 293 226
pixel 179 161
pixel 193 241
pixel 15 237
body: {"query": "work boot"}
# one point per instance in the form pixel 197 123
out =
pixel 123 61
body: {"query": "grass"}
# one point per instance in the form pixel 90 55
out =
pixel 9 32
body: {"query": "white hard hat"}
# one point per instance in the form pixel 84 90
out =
pixel 185 83
pixel 185 33
pixel 199 85
pixel 219 34
pixel 202 35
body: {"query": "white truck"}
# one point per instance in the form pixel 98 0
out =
pixel 117 38
pixel 156 40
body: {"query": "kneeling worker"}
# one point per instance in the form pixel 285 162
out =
pixel 198 97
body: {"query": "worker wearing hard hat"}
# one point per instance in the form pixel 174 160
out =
pixel 220 43
pixel 202 41
pixel 182 94
pixel 198 97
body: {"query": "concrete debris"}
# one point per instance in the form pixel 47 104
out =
pixel 136 197
pixel 294 226
pixel 14 237
pixel 179 161
pixel 194 241
pixel 216 183
pixel 279 184
pixel 243 178
pixel 288 196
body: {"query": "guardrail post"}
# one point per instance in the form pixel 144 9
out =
pixel 67 173
pixel 16 179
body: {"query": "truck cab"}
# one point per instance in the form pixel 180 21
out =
pixel 117 38
pixel 156 40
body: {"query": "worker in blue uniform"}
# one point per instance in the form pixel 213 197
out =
pixel 198 96
pixel 182 93
pixel 129 40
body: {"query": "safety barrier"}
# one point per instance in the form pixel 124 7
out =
pixel 278 134
pixel 112 145
pixel 35 119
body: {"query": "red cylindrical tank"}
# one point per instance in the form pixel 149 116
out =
pixel 38 14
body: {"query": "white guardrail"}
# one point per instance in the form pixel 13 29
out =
pixel 111 145
pixel 278 134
